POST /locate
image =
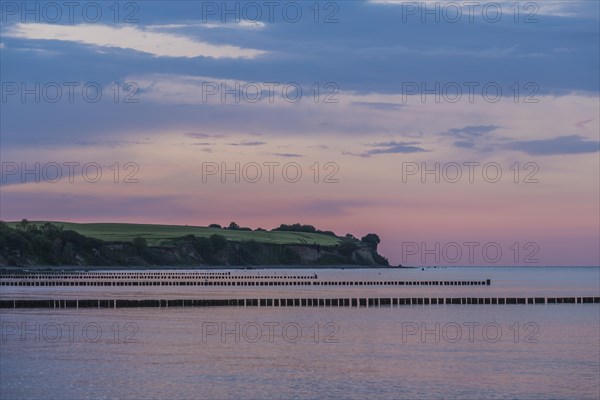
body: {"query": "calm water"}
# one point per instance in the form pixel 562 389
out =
pixel 446 352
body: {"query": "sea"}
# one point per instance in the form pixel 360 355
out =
pixel 450 351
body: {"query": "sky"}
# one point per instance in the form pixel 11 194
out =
pixel 462 133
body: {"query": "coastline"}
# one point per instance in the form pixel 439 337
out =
pixel 79 268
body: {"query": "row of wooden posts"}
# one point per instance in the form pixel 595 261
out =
pixel 486 282
pixel 297 302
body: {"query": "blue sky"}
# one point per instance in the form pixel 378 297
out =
pixel 370 48
pixel 370 62
pixel 373 48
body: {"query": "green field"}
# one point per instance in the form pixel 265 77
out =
pixel 157 234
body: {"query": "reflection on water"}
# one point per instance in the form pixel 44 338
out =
pixel 450 352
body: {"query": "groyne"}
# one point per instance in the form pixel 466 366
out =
pixel 297 302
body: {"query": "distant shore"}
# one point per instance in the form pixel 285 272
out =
pixel 62 268
pixel 36 244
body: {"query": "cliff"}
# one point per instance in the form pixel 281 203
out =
pixel 49 244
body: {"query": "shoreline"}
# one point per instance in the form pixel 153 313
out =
pixel 77 268
pixel 52 269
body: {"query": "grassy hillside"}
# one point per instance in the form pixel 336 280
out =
pixel 155 234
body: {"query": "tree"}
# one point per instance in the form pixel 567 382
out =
pixel 140 244
pixel 23 224
pixel 379 259
pixel 215 226
pixel 347 248
pixel 67 254
pixel 297 227
pixel 41 246
pixel 219 242
pixel 233 226
pixel 51 230
pixel 372 240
